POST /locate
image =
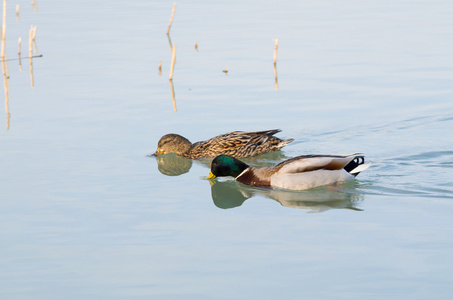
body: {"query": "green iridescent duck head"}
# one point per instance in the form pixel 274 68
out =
pixel 224 165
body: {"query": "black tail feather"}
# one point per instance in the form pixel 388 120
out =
pixel 357 161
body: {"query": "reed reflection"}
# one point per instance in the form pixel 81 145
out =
pixel 6 87
pixel 169 41
pixel 19 53
pixel 230 194
pixel 172 88
pixel 32 80
pixel 172 68
pixel 31 46
pixel 35 7
pixel 275 75
pixel 5 67
pixel 275 63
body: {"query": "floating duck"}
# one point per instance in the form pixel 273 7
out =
pixel 237 144
pixel 298 173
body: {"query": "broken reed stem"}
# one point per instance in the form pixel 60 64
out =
pixel 173 58
pixel 3 30
pixel 160 68
pixel 171 18
pixel 17 13
pixel 275 51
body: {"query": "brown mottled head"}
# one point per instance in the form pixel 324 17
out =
pixel 173 143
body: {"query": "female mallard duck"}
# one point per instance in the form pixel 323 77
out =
pixel 237 144
pixel 298 173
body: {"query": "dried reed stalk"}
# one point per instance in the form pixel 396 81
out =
pixel 173 58
pixel 160 68
pixel 3 30
pixel 171 18
pixel 17 13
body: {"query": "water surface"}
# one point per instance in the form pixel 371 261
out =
pixel 87 213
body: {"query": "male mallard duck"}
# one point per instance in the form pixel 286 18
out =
pixel 298 173
pixel 237 144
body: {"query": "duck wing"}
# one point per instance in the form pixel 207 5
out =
pixel 240 138
pixel 308 171
pixel 308 163
pixel 236 143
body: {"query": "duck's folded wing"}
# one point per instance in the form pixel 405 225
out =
pixel 309 163
pixel 239 138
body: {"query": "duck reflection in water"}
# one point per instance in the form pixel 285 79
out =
pixel 230 194
pixel 171 164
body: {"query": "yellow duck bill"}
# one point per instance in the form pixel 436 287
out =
pixel 211 176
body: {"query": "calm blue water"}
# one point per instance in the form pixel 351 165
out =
pixel 85 213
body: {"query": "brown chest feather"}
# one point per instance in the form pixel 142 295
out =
pixel 255 177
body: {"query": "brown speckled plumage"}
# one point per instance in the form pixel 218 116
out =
pixel 238 144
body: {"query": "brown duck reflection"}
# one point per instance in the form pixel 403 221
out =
pixel 229 194
pixel 171 164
